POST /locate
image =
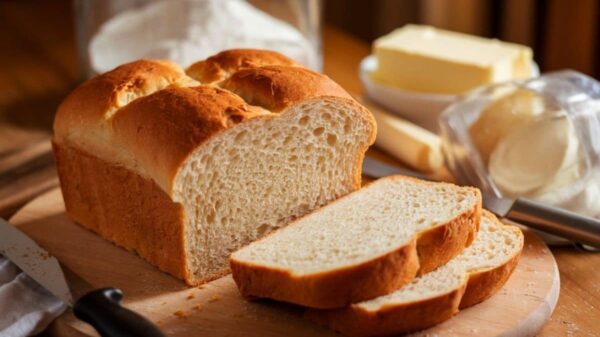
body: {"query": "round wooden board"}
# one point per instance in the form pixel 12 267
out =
pixel 520 308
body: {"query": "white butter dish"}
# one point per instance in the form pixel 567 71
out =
pixel 418 107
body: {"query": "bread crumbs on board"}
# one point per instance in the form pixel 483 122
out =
pixel 180 314
pixel 190 296
pixel 214 298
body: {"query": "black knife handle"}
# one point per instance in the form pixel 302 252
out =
pixel 102 309
pixel 556 221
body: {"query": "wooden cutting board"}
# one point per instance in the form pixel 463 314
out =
pixel 216 309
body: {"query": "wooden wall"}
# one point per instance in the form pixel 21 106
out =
pixel 563 33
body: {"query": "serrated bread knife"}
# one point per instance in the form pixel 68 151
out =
pixel 101 308
pixel 536 215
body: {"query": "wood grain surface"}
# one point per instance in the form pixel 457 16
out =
pixel 38 67
pixel 217 309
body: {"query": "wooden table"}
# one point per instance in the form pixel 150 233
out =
pixel 38 67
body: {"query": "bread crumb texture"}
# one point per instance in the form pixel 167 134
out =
pixel 473 276
pixel 363 245
pixel 360 227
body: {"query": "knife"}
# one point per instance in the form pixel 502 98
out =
pixel 554 220
pixel 101 308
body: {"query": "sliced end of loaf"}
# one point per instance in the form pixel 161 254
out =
pixel 264 173
pixel 476 274
pixel 363 245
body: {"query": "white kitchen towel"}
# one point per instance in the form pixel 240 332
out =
pixel 26 308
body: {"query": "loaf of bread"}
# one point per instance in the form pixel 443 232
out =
pixel 361 246
pixel 186 167
pixel 473 276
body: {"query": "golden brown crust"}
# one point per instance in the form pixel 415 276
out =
pixel 140 122
pixel 142 217
pixel 440 244
pixel 395 319
pixel 277 87
pixel 220 66
pixel 379 276
pixel 162 129
pixel 334 289
pixel 484 284
pixel 95 100
pixel 403 318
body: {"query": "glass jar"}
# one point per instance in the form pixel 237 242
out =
pixel 113 32
pixel 538 138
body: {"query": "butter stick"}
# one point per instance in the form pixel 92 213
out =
pixel 408 142
pixel 426 59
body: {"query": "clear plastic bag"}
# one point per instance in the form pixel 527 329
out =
pixel 538 138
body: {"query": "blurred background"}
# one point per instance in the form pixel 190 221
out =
pixel 562 33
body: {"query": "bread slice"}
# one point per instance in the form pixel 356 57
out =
pixel 364 245
pixel 185 168
pixel 473 276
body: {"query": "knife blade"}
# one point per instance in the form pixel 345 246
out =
pixel 101 308
pixel 377 169
pixel 554 220
pixel 34 261
pixel 536 215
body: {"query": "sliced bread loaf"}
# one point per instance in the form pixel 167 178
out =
pixel 473 276
pixel 186 167
pixel 361 246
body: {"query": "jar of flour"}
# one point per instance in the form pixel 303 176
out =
pixel 112 32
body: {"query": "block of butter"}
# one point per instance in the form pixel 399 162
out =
pixel 426 59
pixel 406 141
